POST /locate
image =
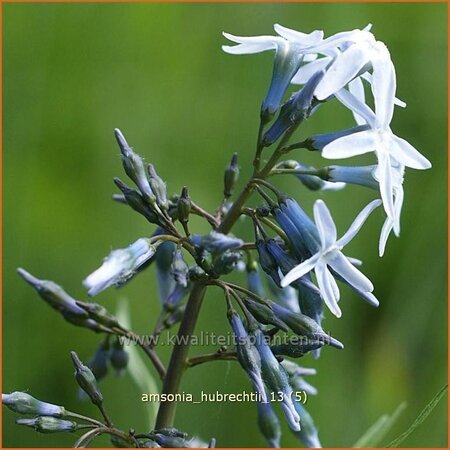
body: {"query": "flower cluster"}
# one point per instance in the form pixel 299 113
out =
pixel 292 266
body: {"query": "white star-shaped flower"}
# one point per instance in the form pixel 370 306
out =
pixel 390 149
pixel 330 255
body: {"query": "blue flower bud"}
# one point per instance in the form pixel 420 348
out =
pixel 290 213
pixel 179 269
pixel 164 258
pixel 361 175
pixel 99 362
pixel 267 262
pixel 311 304
pixel 294 111
pixel 308 433
pixel 286 297
pixel 215 242
pixel 147 443
pixel 175 297
pixel 286 263
pixel 231 176
pixel 100 314
pixel 23 403
pixel 268 424
pixel 45 424
pixel 286 64
pixel 247 354
pixel 86 380
pixel 276 379
pixel 319 141
pixel 119 357
pixel 134 167
pixel 254 282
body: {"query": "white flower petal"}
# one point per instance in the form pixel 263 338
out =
pixel 383 85
pixel 351 102
pixel 398 203
pixel 333 186
pixel 358 223
pixel 325 224
pixel 342 70
pixel 251 44
pixel 355 261
pixel 368 77
pixel 327 288
pixel 385 231
pixel 385 181
pixel 350 273
pixel 303 39
pixel 406 154
pixel 356 88
pixel 308 70
pixel 300 270
pixel 351 145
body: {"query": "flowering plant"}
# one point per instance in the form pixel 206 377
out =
pixel 301 259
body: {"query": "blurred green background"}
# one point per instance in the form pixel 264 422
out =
pixel 73 72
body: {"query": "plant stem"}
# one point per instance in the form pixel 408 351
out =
pixel 178 360
pixel 223 356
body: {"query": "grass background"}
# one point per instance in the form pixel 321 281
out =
pixel 73 72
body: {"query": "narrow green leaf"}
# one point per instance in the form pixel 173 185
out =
pixel 422 416
pixel 137 368
pixel 375 434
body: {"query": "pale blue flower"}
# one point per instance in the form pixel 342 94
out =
pixel 119 266
pixel 330 255
pixel 290 47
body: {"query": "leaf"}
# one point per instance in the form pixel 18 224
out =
pixel 422 416
pixel 373 436
pixel 137 368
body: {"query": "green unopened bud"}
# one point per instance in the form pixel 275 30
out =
pixel 23 403
pixel 86 380
pixel 134 167
pixel 158 187
pixel 100 314
pixel 54 295
pixel 45 424
pixel 297 346
pixel 119 357
pixel 184 206
pixel 119 442
pixel 264 314
pixel 135 201
pixel 303 325
pixel 231 176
